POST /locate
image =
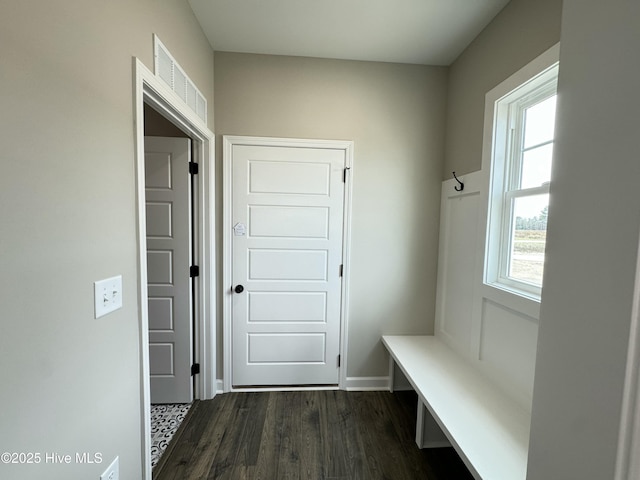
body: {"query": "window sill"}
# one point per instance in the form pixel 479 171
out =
pixel 518 300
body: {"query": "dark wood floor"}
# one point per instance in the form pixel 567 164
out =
pixel 317 435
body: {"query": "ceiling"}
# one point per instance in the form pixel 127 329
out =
pixel 430 32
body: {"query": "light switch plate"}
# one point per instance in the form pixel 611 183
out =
pixel 112 472
pixel 107 295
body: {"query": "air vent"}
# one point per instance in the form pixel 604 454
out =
pixel 170 72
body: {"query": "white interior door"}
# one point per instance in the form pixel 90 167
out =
pixel 287 255
pixel 168 218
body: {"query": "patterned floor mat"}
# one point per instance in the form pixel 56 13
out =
pixel 165 420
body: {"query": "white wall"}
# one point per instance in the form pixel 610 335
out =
pixel 71 383
pixel 592 245
pixel 495 330
pixel 460 226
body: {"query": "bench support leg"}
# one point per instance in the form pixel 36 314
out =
pixel 391 373
pixel 428 432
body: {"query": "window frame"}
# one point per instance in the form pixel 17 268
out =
pixel 504 117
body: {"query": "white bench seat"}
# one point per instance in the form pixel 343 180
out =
pixel 488 429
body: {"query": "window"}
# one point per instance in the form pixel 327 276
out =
pixel 522 150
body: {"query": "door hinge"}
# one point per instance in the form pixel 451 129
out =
pixel 195 369
pixel 344 174
pixel 339 360
pixel 194 271
pixel 194 168
pixel 341 270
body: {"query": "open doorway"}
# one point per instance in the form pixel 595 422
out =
pixel 169 117
pixel 171 198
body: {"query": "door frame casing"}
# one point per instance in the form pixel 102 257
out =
pixel 228 142
pixel 627 462
pixel 150 90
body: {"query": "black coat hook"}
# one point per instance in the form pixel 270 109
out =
pixel 461 187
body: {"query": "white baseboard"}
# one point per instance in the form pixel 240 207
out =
pixel 361 384
pixel 351 384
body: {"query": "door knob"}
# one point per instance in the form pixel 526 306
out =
pixel 239 289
